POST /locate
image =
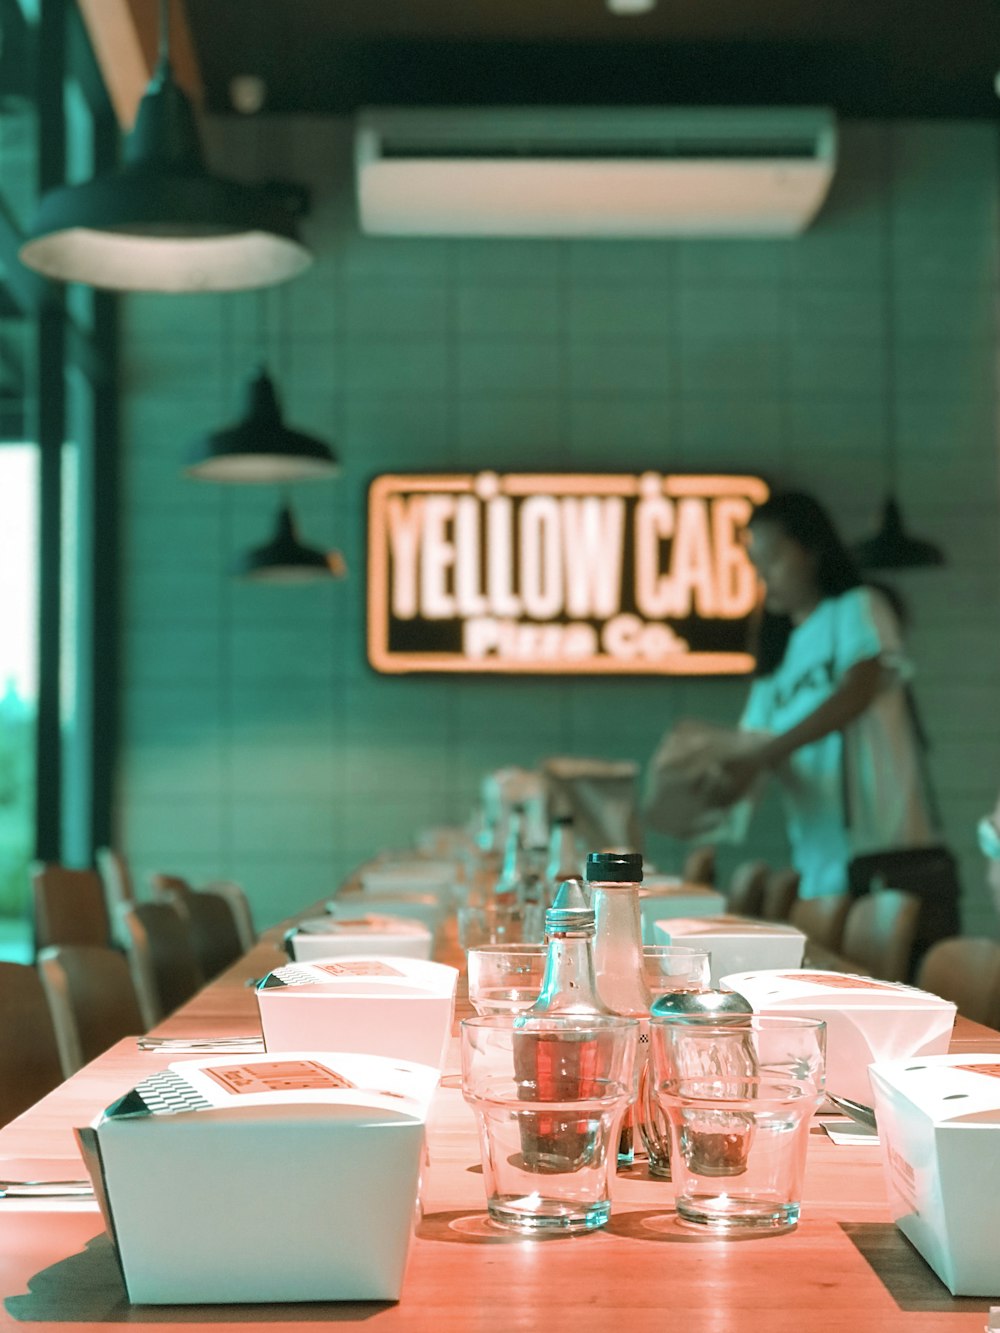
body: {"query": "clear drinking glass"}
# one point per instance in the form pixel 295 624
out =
pixel 739 1096
pixel 549 1096
pixel 494 923
pixel 669 969
pixel 505 978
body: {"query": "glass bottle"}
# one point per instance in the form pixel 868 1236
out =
pixel 614 879
pixel 506 907
pixel 557 1064
pixel 563 861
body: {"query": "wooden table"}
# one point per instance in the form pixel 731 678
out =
pixel 845 1269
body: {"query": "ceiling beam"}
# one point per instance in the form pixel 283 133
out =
pixel 124 35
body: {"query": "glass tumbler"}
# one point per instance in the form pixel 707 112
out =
pixel 669 969
pixel 505 978
pixel 739 1097
pixel 549 1096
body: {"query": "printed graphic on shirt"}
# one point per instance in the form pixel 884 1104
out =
pixel 278 1076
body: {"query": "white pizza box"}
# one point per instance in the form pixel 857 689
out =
pixel 387 1006
pixel 366 932
pixel 418 874
pixel 427 908
pixel 737 944
pixel 866 1019
pixel 662 896
pixel 263 1178
pixel 939 1134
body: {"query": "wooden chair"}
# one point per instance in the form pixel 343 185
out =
pixel 239 905
pixel 214 933
pixel 879 933
pixel 699 866
pixel 780 893
pixel 69 907
pixel 91 998
pixel 746 888
pixel 821 920
pixel 29 1054
pixel 966 971
pixel 162 959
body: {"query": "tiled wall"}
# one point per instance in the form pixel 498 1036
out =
pixel 257 743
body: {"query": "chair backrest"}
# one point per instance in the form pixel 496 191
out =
pixel 69 907
pixel 214 931
pixel 699 866
pixel 239 905
pixel 967 972
pixel 780 893
pixel 116 878
pixel 29 1054
pixel 91 998
pixel 162 959
pixel 879 933
pixel 746 888
pixel 821 920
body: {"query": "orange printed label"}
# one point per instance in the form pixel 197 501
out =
pixel 278 1076
pixel 368 969
pixel 839 983
pixel 369 922
pixel 991 1071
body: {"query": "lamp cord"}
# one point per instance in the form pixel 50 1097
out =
pixel 164 52
pixel 888 314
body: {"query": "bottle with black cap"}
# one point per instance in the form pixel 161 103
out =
pixel 614 879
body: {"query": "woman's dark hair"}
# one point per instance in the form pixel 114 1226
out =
pixel 805 520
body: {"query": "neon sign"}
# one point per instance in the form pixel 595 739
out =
pixel 562 573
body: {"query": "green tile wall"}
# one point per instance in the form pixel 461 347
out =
pixel 258 745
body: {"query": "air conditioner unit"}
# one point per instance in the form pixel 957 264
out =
pixel 616 172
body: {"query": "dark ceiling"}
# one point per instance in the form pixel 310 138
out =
pixel 863 57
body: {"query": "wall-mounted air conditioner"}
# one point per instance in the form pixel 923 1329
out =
pixel 616 172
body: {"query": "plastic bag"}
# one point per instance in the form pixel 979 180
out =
pixel 674 800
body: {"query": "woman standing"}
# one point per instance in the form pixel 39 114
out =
pixel 829 694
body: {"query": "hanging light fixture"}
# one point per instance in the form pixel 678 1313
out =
pixel 260 447
pixel 285 559
pixel 162 222
pixel 892 547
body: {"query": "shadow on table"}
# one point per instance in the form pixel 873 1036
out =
pixel 911 1283
pixel 472 1226
pixel 87 1288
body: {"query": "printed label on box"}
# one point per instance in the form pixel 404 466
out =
pixel 991 1071
pixel 278 1076
pixel 367 969
pixel 840 983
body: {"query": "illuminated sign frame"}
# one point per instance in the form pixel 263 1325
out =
pixel 420 594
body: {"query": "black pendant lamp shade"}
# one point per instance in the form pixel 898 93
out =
pixel 893 548
pixel 285 559
pixel 162 223
pixel 260 447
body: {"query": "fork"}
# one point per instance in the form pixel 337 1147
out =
pixel 46 1189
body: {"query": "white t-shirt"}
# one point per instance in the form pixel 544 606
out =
pixel 885 802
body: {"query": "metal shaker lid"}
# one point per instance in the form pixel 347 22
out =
pixel 725 1005
pixel 571 909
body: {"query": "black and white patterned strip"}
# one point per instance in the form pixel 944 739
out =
pixel 167 1093
pixel 295 976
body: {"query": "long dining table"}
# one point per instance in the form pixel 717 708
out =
pixel 845 1267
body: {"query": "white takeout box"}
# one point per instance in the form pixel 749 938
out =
pixel 366 932
pixel 866 1020
pixel 427 908
pixel 417 874
pixel 662 896
pixel 378 1006
pixel 263 1178
pixel 939 1132
pixel 736 943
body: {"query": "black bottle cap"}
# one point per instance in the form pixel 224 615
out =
pixel 614 867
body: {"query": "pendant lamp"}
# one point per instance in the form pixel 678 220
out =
pixel 162 222
pixel 260 447
pixel 285 559
pixel 892 547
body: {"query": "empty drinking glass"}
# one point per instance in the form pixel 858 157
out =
pixel 505 978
